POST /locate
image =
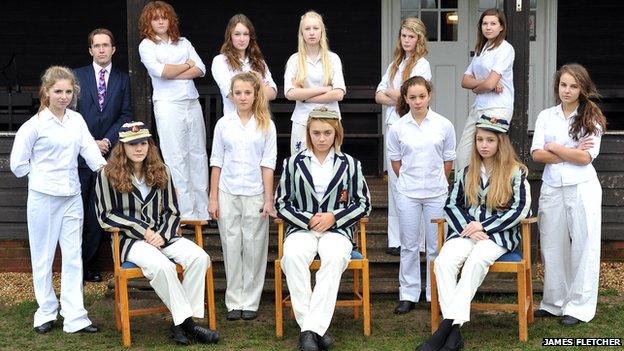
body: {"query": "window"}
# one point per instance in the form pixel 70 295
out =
pixel 439 16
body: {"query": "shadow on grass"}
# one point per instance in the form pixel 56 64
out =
pixel 486 331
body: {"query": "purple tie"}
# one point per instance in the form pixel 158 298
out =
pixel 101 88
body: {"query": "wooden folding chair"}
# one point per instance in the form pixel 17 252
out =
pixel 359 265
pixel 518 262
pixel 125 271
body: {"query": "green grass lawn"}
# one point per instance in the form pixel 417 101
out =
pixel 495 331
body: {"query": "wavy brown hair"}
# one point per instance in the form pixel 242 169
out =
pixel 505 164
pixel 481 39
pixel 253 50
pixel 590 119
pixel 416 26
pixel 119 169
pixel 154 10
pixel 402 106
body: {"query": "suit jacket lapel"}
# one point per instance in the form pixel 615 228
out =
pixel 113 82
pixel 340 166
pixel 304 169
pixel 93 86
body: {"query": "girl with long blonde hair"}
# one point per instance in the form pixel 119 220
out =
pixel 240 53
pixel 408 61
pixel 490 197
pixel 244 152
pixel 313 77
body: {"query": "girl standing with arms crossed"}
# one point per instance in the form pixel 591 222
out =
pixel 489 199
pixel 567 139
pixel 409 61
pixel 243 158
pixel 240 53
pixel 313 77
pixel 46 148
pixel 490 76
pixel 422 185
pixel 172 64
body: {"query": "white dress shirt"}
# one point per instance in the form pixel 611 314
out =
pixel 422 150
pixel 322 173
pixel 314 78
pixel 240 151
pixel 155 55
pixel 223 74
pixel 552 126
pixel 47 150
pixel 97 68
pixel 421 68
pixel 499 60
pixel 141 184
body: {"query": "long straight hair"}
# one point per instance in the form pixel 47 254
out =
pixel 253 51
pixel 505 164
pixel 589 114
pixel 302 49
pixel 416 26
pixel 260 106
pixel 481 39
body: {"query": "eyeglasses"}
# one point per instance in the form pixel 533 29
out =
pixel 101 46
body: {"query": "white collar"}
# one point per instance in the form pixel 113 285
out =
pixel 97 68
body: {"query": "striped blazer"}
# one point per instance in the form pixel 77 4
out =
pixel 501 225
pixel 133 215
pixel 296 201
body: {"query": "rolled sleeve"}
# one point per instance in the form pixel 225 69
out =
pixel 268 78
pixel 338 81
pixel 393 144
pixel 289 73
pixel 422 68
pixel 504 59
pixel 195 57
pixel 269 154
pixel 217 154
pixel 147 52
pixel 448 152
pixel 22 149
pixel 383 85
pixel 595 150
pixel 221 74
pixel 89 149
pixel 538 135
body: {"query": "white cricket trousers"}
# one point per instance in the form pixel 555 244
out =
pixel 52 220
pixel 314 308
pixel 464 147
pixel 297 138
pixel 245 242
pixel 182 136
pixel 412 212
pixel 184 299
pixel 476 257
pixel 394 230
pixel 569 225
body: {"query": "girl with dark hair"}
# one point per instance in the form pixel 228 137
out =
pixel 135 193
pixel 240 53
pixel 422 185
pixel 490 77
pixel 567 139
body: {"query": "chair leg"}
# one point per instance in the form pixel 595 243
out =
pixel 279 328
pixel 522 306
pixel 356 290
pixel 366 306
pixel 529 287
pixel 435 304
pixel 124 306
pixel 210 299
pixel 116 308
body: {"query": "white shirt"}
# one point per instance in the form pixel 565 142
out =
pixel 314 78
pixel 223 74
pixel 422 150
pixel 322 173
pixel 144 189
pixel 485 175
pixel 499 60
pixel 240 151
pixel 421 68
pixel 155 55
pixel 552 126
pixel 97 68
pixel 47 150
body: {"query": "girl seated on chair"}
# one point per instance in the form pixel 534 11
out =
pixel 135 194
pixel 490 197
pixel 321 196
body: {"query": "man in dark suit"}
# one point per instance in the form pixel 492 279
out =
pixel 104 103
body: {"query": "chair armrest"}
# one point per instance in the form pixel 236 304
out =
pixel 280 237
pixel 529 220
pixel 116 254
pixel 525 231
pixel 440 222
pixel 197 227
pixel 362 243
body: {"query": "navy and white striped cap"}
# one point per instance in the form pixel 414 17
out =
pixel 493 124
pixel 133 132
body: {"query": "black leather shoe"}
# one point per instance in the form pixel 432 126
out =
pixel 569 321
pixel 178 335
pixel 44 328
pixel 324 342
pixel 394 251
pixel 234 315
pixel 92 276
pixel 249 315
pixel 454 341
pixel 203 335
pixel 307 341
pixel 89 329
pixel 404 307
pixel 543 313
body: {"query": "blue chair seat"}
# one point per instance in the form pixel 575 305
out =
pixel 355 255
pixel 510 256
pixel 129 265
